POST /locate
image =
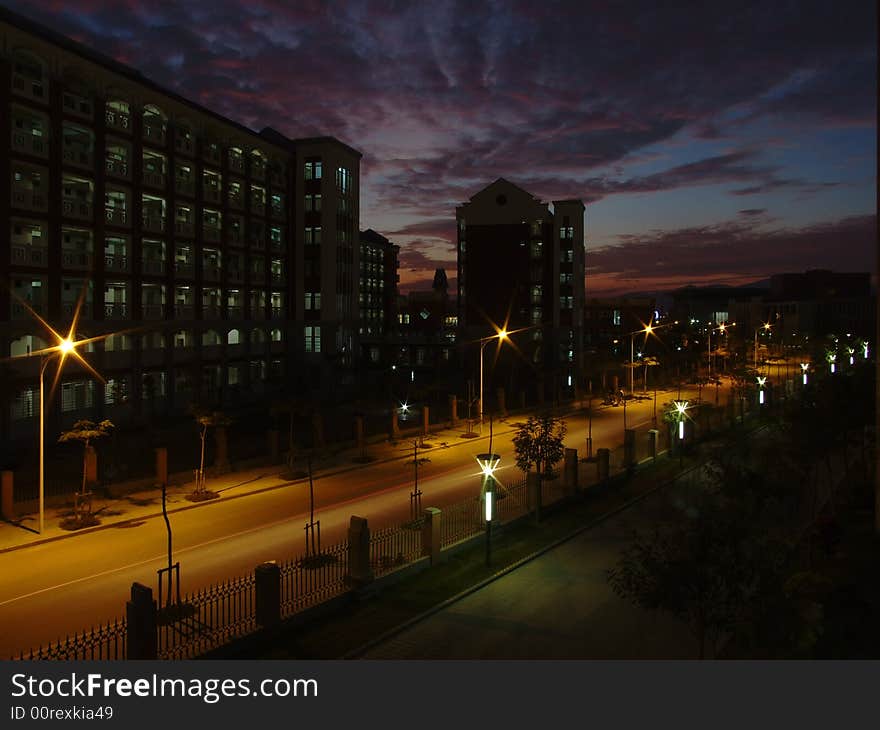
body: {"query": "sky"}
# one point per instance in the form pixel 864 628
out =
pixel 712 143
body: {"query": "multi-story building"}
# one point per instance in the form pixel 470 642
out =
pixel 221 258
pixel 521 265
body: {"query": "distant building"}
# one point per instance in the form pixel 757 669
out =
pixel 427 323
pixel 521 265
pixel 608 321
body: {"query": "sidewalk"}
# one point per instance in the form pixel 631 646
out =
pixel 146 504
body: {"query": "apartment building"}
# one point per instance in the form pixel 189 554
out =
pixel 521 264
pixel 225 261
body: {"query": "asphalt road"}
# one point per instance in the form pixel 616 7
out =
pixel 50 590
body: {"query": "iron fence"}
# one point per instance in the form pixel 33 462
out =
pixel 207 619
pixel 105 642
pixel 310 580
pixel 394 547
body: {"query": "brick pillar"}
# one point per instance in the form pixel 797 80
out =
pixel 426 419
pixel 359 571
pixel 603 464
pixel 267 594
pixel 533 490
pixel 140 615
pixel 431 534
pixel 652 442
pixel 453 410
pixel 629 447
pixel 7 495
pixel 161 466
pixel 570 471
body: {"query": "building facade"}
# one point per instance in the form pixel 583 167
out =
pixel 521 266
pixel 224 260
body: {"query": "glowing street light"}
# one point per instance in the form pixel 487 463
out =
pixel 766 327
pixel 488 464
pixel 832 357
pixel 722 328
pixel 805 366
pixel 761 381
pixel 852 352
pixel 501 335
pixel 680 413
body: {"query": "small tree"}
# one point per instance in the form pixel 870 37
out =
pixel 85 432
pixel 539 442
pixel 206 419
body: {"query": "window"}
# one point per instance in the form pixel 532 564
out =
pixel 313 339
pixel 566 278
pixel 313 170
pixel 615 318
pixel 313 300
pixel 313 235
pixel 343 180
pixel 566 302
pixel 313 203
pixel 566 232
pixel 566 256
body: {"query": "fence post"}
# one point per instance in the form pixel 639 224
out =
pixel 359 571
pixel 161 466
pixel 141 625
pixel 629 447
pixel 431 534
pixel 7 495
pixel 603 464
pixel 570 471
pixel 533 489
pixel 652 442
pixel 267 594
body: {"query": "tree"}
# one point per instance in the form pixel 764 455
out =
pixel 85 432
pixel 539 443
pixel 206 419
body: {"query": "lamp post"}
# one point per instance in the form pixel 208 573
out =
pixel 64 347
pixel 761 381
pixel 680 408
pixel 501 335
pixel 488 464
pixel 721 328
pixel 766 327
pixel 804 367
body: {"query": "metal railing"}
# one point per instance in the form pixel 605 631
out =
pixel 106 642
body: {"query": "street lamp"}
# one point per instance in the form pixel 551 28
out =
pixel 488 464
pixel 721 328
pixel 766 327
pixel 761 380
pixel 680 409
pixel 804 367
pixel 501 335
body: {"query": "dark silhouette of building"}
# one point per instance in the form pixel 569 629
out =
pixel 521 266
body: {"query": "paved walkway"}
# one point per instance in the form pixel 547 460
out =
pixel 557 606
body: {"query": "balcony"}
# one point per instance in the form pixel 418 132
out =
pixel 210 272
pixel 258 170
pixel 18 310
pixel 182 186
pixel 117 358
pixel 153 267
pixel 184 145
pixel 29 200
pixel 79 209
pixel 30 88
pixel 153 179
pixel 212 195
pixel 211 153
pixel 76 260
pixel 154 134
pixel 275 178
pixel 77 106
pixel 258 312
pixel 117 168
pixel 258 208
pixel 184 228
pixel 183 311
pixel 235 237
pixel 153 311
pixel 116 216
pixel 278 277
pixel 115 310
pixel 258 278
pixel 28 255
pixel 257 239
pixel 120 121
pixel 115 262
pixel 236 163
pixel 211 233
pixel 278 212
pixel 154 223
pixel 30 144
pixel 277 312
pixel 78 157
